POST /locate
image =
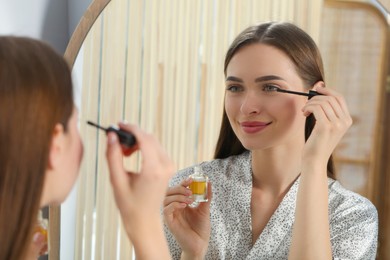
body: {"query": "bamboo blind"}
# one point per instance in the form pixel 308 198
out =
pixel 159 64
pixel 356 58
pixel 385 3
pixel 353 46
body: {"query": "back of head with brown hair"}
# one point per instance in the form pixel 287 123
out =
pixel 302 51
pixel 35 94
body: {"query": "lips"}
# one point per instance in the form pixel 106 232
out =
pixel 251 127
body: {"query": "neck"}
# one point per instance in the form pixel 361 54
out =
pixel 275 169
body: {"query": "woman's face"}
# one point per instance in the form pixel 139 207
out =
pixel 261 117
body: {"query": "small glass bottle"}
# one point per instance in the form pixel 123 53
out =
pixel 198 186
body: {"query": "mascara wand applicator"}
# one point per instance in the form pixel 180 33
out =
pixel 125 138
pixel 311 93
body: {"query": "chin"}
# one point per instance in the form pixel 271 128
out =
pixel 251 146
pixel 57 199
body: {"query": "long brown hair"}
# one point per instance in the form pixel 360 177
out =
pixel 35 94
pixel 302 51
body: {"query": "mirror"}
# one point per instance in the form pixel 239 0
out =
pixel 160 64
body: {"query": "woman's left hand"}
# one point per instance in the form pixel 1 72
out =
pixel 332 122
pixel 38 246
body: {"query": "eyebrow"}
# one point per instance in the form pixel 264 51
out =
pixel 232 78
pixel 259 79
pixel 268 77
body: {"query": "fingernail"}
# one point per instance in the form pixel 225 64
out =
pixel 112 139
pixel 124 122
pixel 37 238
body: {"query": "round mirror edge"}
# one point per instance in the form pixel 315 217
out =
pixel 71 52
pixel 374 5
pixel 82 29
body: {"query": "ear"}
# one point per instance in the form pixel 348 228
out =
pixel 56 147
pixel 318 84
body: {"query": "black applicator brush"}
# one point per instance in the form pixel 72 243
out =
pixel 125 138
pixel 311 93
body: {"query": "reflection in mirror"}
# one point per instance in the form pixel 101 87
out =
pixel 159 64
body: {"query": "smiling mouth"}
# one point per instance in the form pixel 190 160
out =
pixel 253 127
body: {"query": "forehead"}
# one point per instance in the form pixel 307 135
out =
pixel 260 59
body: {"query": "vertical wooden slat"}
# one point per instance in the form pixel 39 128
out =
pixel 54 232
pixel 133 86
pixel 171 66
pixel 114 86
pixel 194 63
pixel 86 194
pixel 166 16
pixel 178 94
pixel 206 54
pixel 146 67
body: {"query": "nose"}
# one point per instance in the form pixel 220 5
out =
pixel 251 104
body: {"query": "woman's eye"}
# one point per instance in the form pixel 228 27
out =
pixel 233 88
pixel 270 88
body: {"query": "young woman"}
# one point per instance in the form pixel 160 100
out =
pixel 41 150
pixel 274 192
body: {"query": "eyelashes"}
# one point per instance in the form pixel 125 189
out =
pixel 234 88
pixel 268 88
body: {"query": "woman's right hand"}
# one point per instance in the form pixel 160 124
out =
pixel 190 226
pixel 139 195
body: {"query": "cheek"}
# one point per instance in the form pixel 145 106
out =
pixel 232 106
pixel 291 110
pixel 76 151
pixel 230 114
pixel 79 153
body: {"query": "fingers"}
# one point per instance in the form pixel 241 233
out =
pixel 183 196
pixel 145 142
pixel 206 205
pixel 209 192
pixel 150 148
pixel 336 98
pixel 39 245
pixel 172 207
pixel 328 108
pixel 178 197
pixel 115 162
pixel 182 188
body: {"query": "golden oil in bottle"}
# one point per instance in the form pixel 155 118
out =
pixel 198 187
